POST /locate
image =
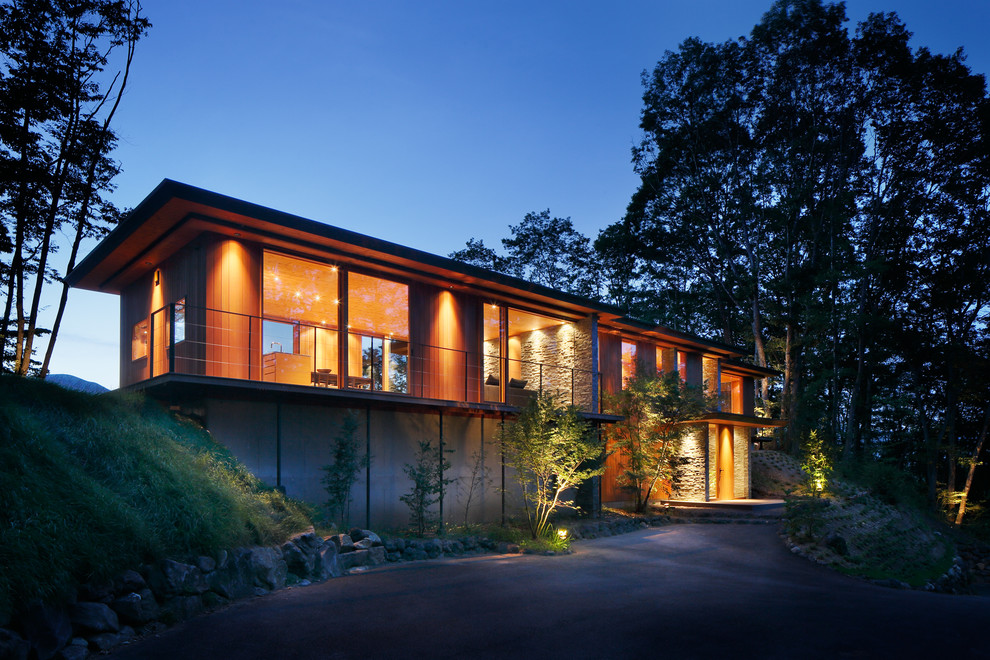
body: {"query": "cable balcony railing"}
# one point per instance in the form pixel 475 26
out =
pixel 207 342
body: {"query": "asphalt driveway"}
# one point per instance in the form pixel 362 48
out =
pixel 681 591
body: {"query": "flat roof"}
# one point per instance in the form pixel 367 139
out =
pixel 176 213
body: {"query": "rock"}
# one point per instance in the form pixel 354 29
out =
pixel 222 558
pixel 353 559
pixel 343 542
pixel 73 653
pixel 326 564
pixel 375 539
pixel 47 629
pixel 97 592
pixel 12 646
pixel 393 556
pixel 507 548
pixel 94 617
pixel 363 544
pixel 297 561
pixel 433 547
pixel 376 556
pixel 304 583
pixel 267 567
pixel 308 541
pixel 413 553
pixel 104 642
pixel 395 545
pixel 174 578
pixel 206 564
pixel 356 534
pixel 128 582
pixel 137 607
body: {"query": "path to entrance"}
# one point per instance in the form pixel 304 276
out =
pixel 681 591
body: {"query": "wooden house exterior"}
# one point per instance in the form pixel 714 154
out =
pixel 270 328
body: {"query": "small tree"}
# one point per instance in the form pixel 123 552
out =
pixel 648 440
pixel 429 484
pixel 479 479
pixel 815 464
pixel 339 476
pixel 546 446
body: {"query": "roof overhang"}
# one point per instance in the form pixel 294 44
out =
pixel 742 420
pixel 175 214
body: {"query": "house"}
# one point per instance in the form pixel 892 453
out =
pixel 270 328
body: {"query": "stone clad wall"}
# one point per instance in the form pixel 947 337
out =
pixel 741 462
pixel 560 350
pixel 694 479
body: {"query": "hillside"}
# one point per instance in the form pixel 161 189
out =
pixel 91 485
pixel 857 527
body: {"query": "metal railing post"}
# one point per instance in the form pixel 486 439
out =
pixel 171 339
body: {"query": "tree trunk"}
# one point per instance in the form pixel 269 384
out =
pixel 972 466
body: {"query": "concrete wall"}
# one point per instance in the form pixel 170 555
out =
pixel 250 431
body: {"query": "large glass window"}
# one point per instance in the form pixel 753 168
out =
pixel 302 310
pixel 628 361
pixel 378 334
pixel 139 340
pixel 179 333
pixel 492 340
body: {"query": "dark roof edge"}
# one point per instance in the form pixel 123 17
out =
pixel 168 189
pixel 766 371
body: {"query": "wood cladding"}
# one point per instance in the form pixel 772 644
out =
pixel 233 336
pixel 446 328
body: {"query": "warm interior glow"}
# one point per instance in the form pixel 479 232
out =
pixel 298 290
pixel 628 361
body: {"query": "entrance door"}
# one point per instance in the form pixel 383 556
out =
pixel 726 482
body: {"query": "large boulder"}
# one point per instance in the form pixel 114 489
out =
pixel 327 564
pixel 298 561
pixel 266 567
pixel 137 607
pixel 12 646
pixel 376 556
pixel 355 559
pixel 171 578
pixel 128 582
pixel 93 617
pixel 307 541
pixel 343 542
pixel 47 629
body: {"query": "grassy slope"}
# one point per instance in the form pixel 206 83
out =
pixel 885 535
pixel 90 485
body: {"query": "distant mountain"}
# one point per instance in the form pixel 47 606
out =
pixel 74 383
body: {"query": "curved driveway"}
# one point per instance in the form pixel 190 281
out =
pixel 680 591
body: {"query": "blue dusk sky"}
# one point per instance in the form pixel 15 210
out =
pixel 424 123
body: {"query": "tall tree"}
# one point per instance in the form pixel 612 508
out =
pixel 59 91
pixel 542 249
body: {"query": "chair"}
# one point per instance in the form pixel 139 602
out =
pixel 323 378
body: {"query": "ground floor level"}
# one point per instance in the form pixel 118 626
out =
pixel 285 437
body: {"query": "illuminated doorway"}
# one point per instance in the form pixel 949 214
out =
pixel 725 486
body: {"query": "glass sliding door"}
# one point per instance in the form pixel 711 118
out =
pixel 378 334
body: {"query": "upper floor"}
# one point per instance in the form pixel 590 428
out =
pixel 216 288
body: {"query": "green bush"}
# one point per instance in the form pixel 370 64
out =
pixel 90 485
